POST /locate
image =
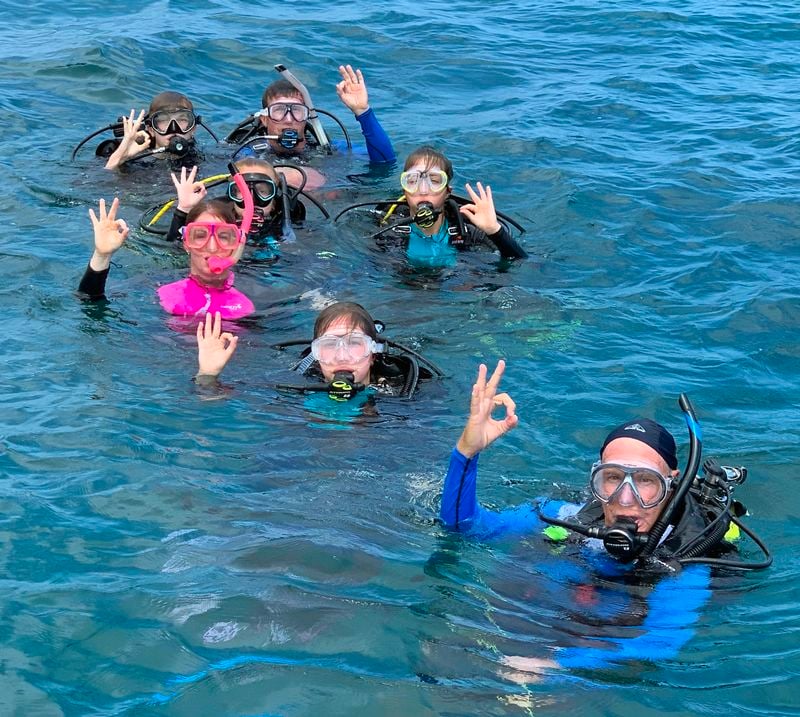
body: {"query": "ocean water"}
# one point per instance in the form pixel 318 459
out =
pixel 165 554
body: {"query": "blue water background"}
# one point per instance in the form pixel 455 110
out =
pixel 162 554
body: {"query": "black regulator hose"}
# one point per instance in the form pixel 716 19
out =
pixel 685 482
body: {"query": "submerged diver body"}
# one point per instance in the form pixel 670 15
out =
pixel 287 127
pixel 346 357
pixel 643 520
pixel 167 130
pixel 214 243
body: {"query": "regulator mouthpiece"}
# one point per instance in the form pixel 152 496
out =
pixel 343 386
pixel 288 138
pixel 179 146
pixel 426 215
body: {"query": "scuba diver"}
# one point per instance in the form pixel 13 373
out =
pixel 644 518
pixel 167 129
pixel 214 242
pixel 346 357
pixel 276 206
pixel 288 125
pixel 434 223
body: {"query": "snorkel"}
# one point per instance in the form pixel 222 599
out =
pixel 313 117
pixel 684 482
pixel 218 264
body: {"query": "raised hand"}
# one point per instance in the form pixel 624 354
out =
pixel 214 347
pixel 109 233
pixel 189 191
pixel 135 140
pixel 352 90
pixel 481 429
pixel 481 212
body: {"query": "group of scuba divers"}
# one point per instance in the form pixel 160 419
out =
pixel 644 515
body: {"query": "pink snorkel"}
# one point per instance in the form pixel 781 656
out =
pixel 219 264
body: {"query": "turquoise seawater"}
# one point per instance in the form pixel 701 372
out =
pixel 168 555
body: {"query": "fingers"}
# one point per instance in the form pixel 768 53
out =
pixel 122 228
pixel 494 381
pixel 112 213
pixel 216 325
pixel 232 340
pixel 503 399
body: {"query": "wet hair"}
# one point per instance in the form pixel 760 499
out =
pixel 258 166
pixel 170 100
pixel 221 209
pixel 356 314
pixel 280 88
pixel 432 158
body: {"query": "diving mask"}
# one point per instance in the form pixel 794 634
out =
pixel 355 347
pixel 648 486
pixel 430 181
pixel 173 121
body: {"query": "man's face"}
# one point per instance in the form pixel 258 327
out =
pixel 286 110
pixel 630 452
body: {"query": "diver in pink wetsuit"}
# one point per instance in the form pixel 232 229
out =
pixel 214 243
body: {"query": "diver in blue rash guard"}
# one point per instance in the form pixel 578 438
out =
pixel 640 508
pixel 287 127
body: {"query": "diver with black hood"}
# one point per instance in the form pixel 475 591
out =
pixel 646 523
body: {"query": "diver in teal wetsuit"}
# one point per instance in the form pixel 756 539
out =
pixel 641 508
pixel 347 359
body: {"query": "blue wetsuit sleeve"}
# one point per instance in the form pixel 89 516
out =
pixel 461 511
pixel 673 608
pixel 379 146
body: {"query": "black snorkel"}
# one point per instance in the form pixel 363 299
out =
pixel 684 482
pixel 286 204
pixel 342 387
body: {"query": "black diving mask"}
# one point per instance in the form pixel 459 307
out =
pixel 261 186
pixel 173 121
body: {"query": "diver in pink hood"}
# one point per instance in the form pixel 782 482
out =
pixel 214 243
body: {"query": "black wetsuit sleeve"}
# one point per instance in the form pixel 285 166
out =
pixel 93 283
pixel 505 243
pixel 178 222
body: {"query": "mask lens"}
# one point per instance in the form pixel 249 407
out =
pixel 609 480
pixel 279 110
pixel 196 235
pixel 354 347
pixel 432 180
pixel 227 236
pixel 183 119
pixel 264 191
pixel 234 194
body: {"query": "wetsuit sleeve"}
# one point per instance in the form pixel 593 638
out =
pixel 93 283
pixel 461 511
pixel 673 608
pixel 379 146
pixel 505 243
pixel 178 222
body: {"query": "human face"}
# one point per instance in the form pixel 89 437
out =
pixel 341 362
pixel 426 193
pixel 199 258
pixel 630 452
pixel 165 121
pixel 288 122
pixel 263 188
